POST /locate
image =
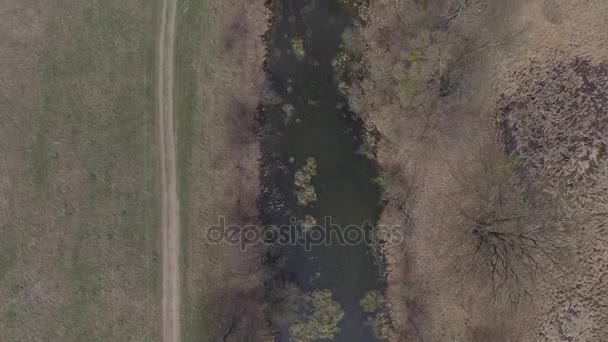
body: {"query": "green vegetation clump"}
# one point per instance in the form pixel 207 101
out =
pixel 339 63
pixel 343 87
pixel 322 323
pixel 409 86
pixel 412 57
pixel 507 163
pixel 309 221
pixel 303 181
pixel 297 46
pixel 289 110
pixel 372 301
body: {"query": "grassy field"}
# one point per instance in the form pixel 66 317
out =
pixel 78 210
pixel 219 55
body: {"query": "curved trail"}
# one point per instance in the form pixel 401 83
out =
pixel 170 204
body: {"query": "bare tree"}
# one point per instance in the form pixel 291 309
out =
pixel 238 316
pixel 282 300
pixel 509 228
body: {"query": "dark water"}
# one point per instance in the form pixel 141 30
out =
pixel 322 127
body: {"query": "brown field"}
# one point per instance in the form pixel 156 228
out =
pixel 493 148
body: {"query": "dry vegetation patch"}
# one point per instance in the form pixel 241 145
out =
pixel 555 119
pixel 491 124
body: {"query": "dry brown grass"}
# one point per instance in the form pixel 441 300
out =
pixel 554 117
pixel 556 120
pixel 219 84
pixel 561 72
pixel 437 71
pixel 78 220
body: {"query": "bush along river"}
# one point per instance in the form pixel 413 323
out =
pixel 313 173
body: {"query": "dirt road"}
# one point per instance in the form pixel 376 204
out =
pixel 170 203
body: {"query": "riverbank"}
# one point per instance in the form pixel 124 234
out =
pixel 452 92
pixel 219 81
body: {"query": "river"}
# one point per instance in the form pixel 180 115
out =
pixel 313 137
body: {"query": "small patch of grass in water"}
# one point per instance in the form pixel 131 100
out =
pixel 309 221
pixel 323 321
pixel 297 46
pixel 288 109
pixel 372 301
pixel 303 181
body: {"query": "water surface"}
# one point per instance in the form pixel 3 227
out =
pixel 320 126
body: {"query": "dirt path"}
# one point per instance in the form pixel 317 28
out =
pixel 170 204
